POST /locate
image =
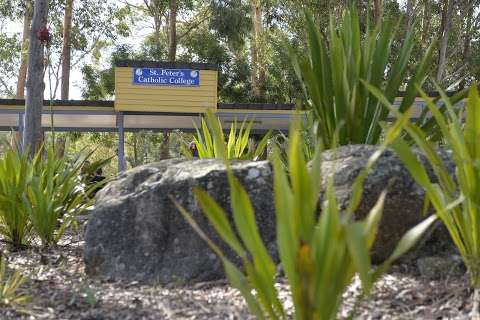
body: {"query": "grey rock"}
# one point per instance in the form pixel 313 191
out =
pixel 135 233
pixel 441 267
pixel 405 199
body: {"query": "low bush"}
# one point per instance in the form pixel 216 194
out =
pixel 331 73
pixel 55 196
pixel 41 196
pixel 236 146
pixel 16 175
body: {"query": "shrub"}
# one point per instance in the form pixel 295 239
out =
pixel 42 195
pixel 319 254
pixel 455 199
pixel 15 176
pixel 55 196
pixel 330 76
pixel 236 147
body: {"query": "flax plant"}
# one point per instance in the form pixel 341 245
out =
pixel 15 175
pixel 54 194
pixel 320 254
pixel 456 199
pixel 41 196
pixel 236 145
pixel 334 65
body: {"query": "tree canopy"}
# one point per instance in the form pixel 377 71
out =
pixel 250 40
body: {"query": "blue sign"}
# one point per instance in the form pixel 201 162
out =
pixel 166 77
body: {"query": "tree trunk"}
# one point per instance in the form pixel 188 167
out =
pixel 444 34
pixel 165 147
pixel 35 85
pixel 66 50
pixel 410 15
pixel 258 70
pixel 135 150
pixel 378 11
pixel 467 38
pixel 172 31
pixel 425 21
pixel 22 75
pixel 60 146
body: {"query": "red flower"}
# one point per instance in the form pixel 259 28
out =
pixel 44 35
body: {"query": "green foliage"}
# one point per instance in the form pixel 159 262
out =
pixel 307 131
pixel 332 72
pixel 54 194
pixel 210 140
pixel 320 254
pixel 41 195
pixel 456 199
pixel 10 57
pixel 15 176
pixel 9 286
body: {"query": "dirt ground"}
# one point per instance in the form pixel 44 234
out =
pixel 59 289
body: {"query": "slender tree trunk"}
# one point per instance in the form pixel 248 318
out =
pixel 467 37
pixel 444 34
pixel 135 150
pixel 254 55
pixel 378 11
pixel 158 41
pixel 60 145
pixel 22 75
pixel 172 31
pixel 425 21
pixel 35 85
pixel 165 147
pixel 410 15
pixel 260 51
pixel 66 50
pixel 258 70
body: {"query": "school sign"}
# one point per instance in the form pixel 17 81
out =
pixel 166 77
pixel 149 86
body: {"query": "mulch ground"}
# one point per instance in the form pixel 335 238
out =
pixel 59 289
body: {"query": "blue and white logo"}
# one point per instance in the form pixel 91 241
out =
pixel 166 77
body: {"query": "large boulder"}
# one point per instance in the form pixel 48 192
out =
pixel 404 201
pixel 136 233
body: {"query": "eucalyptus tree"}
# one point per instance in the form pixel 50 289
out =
pixel 67 49
pixel 35 86
pixel 22 73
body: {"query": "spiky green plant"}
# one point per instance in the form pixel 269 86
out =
pixel 15 175
pixel 320 254
pixel 456 199
pixel 236 146
pixel 9 285
pixel 54 194
pixel 345 111
pixel 42 194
